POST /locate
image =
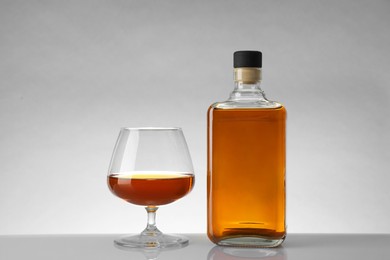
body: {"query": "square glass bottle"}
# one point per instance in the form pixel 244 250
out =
pixel 246 199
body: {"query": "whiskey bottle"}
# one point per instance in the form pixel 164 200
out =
pixel 246 164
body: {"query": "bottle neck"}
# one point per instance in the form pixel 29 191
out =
pixel 247 85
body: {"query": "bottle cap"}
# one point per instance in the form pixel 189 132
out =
pixel 247 59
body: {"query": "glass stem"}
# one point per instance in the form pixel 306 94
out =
pixel 151 229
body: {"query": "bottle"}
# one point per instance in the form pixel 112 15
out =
pixel 246 164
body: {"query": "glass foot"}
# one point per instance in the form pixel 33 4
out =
pixel 150 242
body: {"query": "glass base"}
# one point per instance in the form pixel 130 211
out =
pixel 150 242
pixel 250 242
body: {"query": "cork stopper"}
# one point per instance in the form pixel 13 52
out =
pixel 247 66
pixel 247 75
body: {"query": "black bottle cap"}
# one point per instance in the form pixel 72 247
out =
pixel 249 59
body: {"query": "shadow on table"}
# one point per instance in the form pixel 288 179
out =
pixel 238 253
pixel 328 240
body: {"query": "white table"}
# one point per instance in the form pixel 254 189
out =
pixel 296 247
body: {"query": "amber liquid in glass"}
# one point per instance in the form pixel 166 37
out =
pixel 151 189
pixel 246 173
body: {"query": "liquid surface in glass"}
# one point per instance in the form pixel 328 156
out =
pixel 151 188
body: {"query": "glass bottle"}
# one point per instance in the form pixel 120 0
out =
pixel 246 164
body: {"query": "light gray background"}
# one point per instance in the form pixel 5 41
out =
pixel 73 72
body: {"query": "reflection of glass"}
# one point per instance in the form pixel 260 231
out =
pixel 238 253
pixel 151 167
pixel 149 253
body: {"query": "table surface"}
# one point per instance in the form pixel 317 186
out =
pixel 296 246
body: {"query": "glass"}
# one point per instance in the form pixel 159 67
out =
pixel 150 167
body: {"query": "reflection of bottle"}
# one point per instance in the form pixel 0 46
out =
pixel 246 162
pixel 236 253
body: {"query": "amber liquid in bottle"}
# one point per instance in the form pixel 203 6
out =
pixel 246 167
pixel 151 189
pixel 247 174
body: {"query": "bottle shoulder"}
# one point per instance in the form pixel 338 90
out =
pixel 258 104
